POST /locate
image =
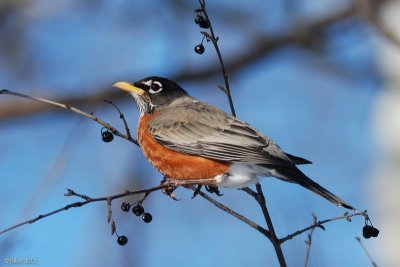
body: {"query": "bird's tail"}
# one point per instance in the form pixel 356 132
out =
pixel 294 175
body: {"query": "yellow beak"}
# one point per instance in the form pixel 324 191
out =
pixel 129 87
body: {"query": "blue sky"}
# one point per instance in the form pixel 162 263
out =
pixel 314 106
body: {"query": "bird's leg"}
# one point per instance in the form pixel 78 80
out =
pixel 169 188
pixel 197 191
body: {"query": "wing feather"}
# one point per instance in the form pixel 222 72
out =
pixel 200 129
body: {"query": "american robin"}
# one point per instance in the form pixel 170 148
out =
pixel 188 140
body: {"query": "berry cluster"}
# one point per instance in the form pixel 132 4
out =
pixel 138 210
pixel 205 24
pixel 106 135
pixel 369 230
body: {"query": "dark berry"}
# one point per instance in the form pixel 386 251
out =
pixel 202 21
pixel 374 232
pixel 205 24
pixel 147 217
pixel 199 49
pixel 122 240
pixel 125 206
pixel 107 136
pixel 367 231
pixel 198 18
pixel 138 210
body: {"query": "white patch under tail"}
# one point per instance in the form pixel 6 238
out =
pixel 240 175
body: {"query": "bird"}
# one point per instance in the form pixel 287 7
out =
pixel 186 139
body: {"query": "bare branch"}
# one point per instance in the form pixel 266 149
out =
pixel 73 109
pixel 365 10
pixel 346 216
pixel 309 241
pixel 232 212
pixel 260 47
pixel 122 116
pixel 83 203
pixel 214 41
pixel 366 251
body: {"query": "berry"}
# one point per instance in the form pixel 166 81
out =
pixel 147 217
pixel 205 24
pixel 202 21
pixel 122 240
pixel 138 210
pixel 125 206
pixel 106 136
pixel 199 49
pixel 197 19
pixel 367 231
pixel 374 232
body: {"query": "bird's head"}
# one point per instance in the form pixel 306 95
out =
pixel 152 93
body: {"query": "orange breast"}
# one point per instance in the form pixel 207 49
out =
pixel 173 164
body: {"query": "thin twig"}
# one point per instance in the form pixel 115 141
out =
pixel 232 212
pixel 369 14
pixel 214 41
pixel 83 203
pixel 259 197
pixel 122 116
pixel 309 241
pixel 346 216
pixel 366 251
pixel 274 239
pixel 73 109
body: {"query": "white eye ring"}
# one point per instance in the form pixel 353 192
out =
pixel 155 87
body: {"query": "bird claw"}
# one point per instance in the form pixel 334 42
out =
pixel 197 191
pixel 213 190
pixel 168 191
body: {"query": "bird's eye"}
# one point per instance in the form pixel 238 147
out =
pixel 155 87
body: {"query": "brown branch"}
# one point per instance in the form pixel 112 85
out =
pixel 366 251
pixel 346 216
pixel 73 109
pixel 122 117
pixel 88 200
pixel 233 213
pixel 214 41
pixel 369 14
pixel 309 241
pixel 259 197
pixel 259 48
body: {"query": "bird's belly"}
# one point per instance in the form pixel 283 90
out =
pixel 239 175
pixel 173 164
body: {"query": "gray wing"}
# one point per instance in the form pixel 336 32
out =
pixel 200 129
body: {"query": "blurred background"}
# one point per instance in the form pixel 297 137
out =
pixel 321 78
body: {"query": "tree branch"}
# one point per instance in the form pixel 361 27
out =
pixel 88 200
pixel 233 213
pixel 346 216
pixel 260 47
pixel 75 110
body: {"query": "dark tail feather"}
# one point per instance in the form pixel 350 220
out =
pixel 294 175
pixel 297 160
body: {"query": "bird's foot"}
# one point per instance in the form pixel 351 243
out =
pixel 213 190
pixel 169 188
pixel 197 191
